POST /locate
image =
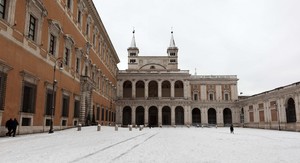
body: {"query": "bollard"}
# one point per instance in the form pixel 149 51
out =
pixel 116 127
pixel 202 126
pixel 141 127
pixel 79 127
pixel 174 126
pixel 99 127
pixel 135 126
pixel 188 126
pixel 130 127
pixel 216 126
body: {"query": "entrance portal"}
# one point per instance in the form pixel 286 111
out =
pixel 166 115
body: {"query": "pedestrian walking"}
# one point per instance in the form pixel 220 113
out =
pixel 15 124
pixel 8 125
pixel 231 129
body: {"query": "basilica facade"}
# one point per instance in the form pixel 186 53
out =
pixel 154 91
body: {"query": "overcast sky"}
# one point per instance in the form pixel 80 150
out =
pixel 257 40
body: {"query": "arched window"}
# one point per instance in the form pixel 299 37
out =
pixel 166 89
pixel 153 89
pixel 178 89
pixel 127 89
pixel 290 111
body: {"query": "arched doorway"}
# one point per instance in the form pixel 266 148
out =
pixel 153 89
pixel 178 88
pixel 153 116
pixel 140 115
pixel 290 111
pixel 140 89
pixel 126 115
pixel 166 89
pixel 179 115
pixel 212 116
pixel 196 116
pixel 127 89
pixel 166 115
pixel 227 117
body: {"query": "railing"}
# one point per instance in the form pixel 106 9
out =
pixel 214 76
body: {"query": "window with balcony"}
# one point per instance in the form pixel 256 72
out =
pixel 36 12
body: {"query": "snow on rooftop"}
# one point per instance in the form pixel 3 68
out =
pixel 179 144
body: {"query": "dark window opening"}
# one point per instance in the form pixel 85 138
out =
pixel 65 106
pixel 32 28
pixel 52 44
pixel 29 97
pixel 49 101
pixel 64 122
pixel 26 121
pixel 3 77
pixel 67 56
pixel 2 8
pixel 76 108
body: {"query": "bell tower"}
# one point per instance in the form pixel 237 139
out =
pixel 172 51
pixel 133 53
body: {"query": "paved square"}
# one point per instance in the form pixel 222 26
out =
pixel 153 145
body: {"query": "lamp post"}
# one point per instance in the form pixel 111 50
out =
pixel 276 107
pixel 53 94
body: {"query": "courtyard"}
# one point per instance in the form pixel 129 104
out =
pixel 167 144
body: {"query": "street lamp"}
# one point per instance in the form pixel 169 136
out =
pixel 276 107
pixel 53 95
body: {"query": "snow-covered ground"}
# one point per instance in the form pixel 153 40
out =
pixel 153 145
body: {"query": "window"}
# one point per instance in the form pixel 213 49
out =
pixel 55 30
pixel 132 54
pixel 132 60
pixel 76 108
pixel 28 98
pixel 32 28
pixel 106 115
pixel 77 65
pixel 26 121
pixel 172 54
pixel 195 97
pixel 67 57
pixel 102 114
pixel 69 43
pixel 69 4
pixel 94 40
pixel 172 60
pixel 211 96
pixel 64 122
pixel 48 122
pixel 226 96
pixel 52 44
pixel 65 106
pixel 2 8
pixel 49 101
pixel 79 16
pixel 152 67
pixel 98 113
pixel 87 30
pixel 3 77
pixel 35 14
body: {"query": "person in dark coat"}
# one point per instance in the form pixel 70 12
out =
pixel 15 123
pixel 231 129
pixel 8 125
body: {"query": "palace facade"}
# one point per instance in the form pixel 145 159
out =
pixel 57 64
pixel 154 91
